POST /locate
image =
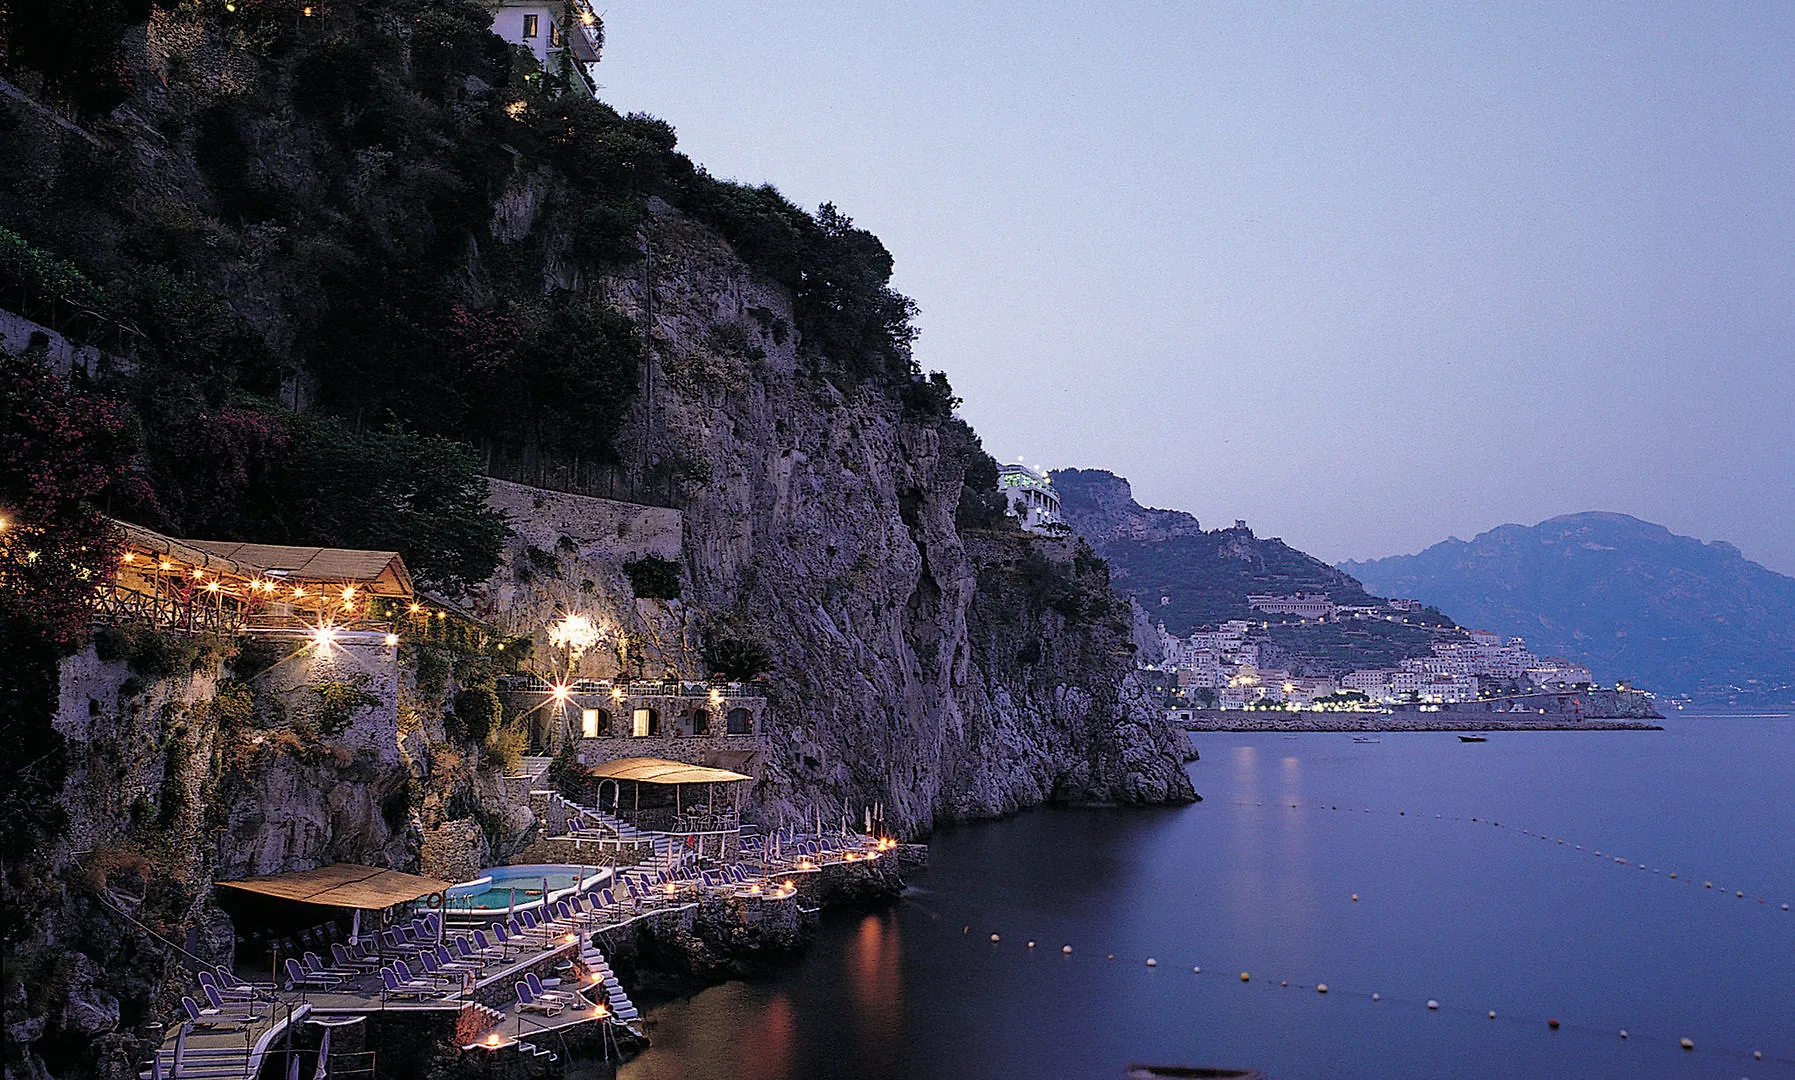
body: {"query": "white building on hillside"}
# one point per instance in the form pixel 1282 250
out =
pixel 561 44
pixel 1316 606
pixel 1033 502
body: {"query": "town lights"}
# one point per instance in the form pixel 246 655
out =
pixel 324 637
pixel 392 639
pixel 560 691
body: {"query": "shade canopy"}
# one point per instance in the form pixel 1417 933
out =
pixel 342 885
pixel 651 770
pixel 381 573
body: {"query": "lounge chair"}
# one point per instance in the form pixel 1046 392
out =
pixel 199 1017
pixel 390 981
pixel 528 1002
pixel 505 941
pixel 486 948
pixel 298 976
pixel 219 1008
pixel 406 976
pixel 566 997
pixel 314 963
pixel 448 961
pixel 209 983
pixel 346 960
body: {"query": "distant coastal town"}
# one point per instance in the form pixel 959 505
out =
pixel 1222 668
pixel 1254 664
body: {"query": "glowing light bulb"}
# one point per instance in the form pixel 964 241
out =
pixel 392 639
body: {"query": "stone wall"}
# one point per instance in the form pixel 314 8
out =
pixel 599 528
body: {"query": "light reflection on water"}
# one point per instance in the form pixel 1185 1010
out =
pixel 1478 917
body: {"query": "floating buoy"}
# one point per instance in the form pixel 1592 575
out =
pixel 1707 884
pixel 1687 1044
pixel 1432 1004
pixel 1785 907
pixel 1152 962
pixel 1355 898
pixel 1673 875
pixel 1321 988
pixel 1552 1023
pixel 1283 982
pixel 1757 1055
pixel 1196 971
pixel 1244 976
pixel 1031 944
pixel 1067 949
pixel 1623 1033
pixel 964 929
pixel 1112 956
pixel 993 938
pixel 1377 997
pixel 1738 894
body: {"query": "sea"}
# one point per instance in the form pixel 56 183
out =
pixel 1427 882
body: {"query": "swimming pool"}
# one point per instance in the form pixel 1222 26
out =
pixel 505 888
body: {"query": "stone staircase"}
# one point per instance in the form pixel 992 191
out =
pixel 530 775
pixel 665 851
pixel 621 1006
pixel 197 1063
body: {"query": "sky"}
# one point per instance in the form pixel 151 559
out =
pixel 1365 275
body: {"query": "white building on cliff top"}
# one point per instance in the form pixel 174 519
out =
pixel 1033 502
pixel 565 37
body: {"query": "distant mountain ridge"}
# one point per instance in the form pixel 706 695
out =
pixel 1203 577
pixel 1188 578
pixel 1631 598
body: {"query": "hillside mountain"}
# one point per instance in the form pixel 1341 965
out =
pixel 1633 599
pixel 1186 577
pixel 1189 578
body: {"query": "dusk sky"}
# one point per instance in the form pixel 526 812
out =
pixel 1365 275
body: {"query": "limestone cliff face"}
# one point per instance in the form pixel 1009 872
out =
pixel 820 519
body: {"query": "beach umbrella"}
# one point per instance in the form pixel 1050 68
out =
pixel 323 1057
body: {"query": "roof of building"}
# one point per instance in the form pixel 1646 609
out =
pixel 344 885
pixel 382 573
pixel 650 770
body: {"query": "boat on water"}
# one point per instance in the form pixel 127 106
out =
pixel 1366 738
pixel 1473 738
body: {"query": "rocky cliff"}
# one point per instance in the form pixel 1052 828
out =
pixel 377 216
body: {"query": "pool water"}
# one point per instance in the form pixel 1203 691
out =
pixel 520 886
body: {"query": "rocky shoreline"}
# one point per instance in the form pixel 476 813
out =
pixel 1364 722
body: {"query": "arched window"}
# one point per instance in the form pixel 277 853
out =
pixel 645 722
pixel 701 722
pixel 739 722
pixel 594 723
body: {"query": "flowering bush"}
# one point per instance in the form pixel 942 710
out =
pixel 63 455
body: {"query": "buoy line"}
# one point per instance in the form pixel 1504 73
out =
pixel 1419 1006
pixel 1559 841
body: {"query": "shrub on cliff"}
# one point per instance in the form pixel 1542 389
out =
pixel 652 577
pixel 476 712
pixel 737 659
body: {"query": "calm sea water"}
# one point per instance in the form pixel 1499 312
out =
pixel 1478 916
